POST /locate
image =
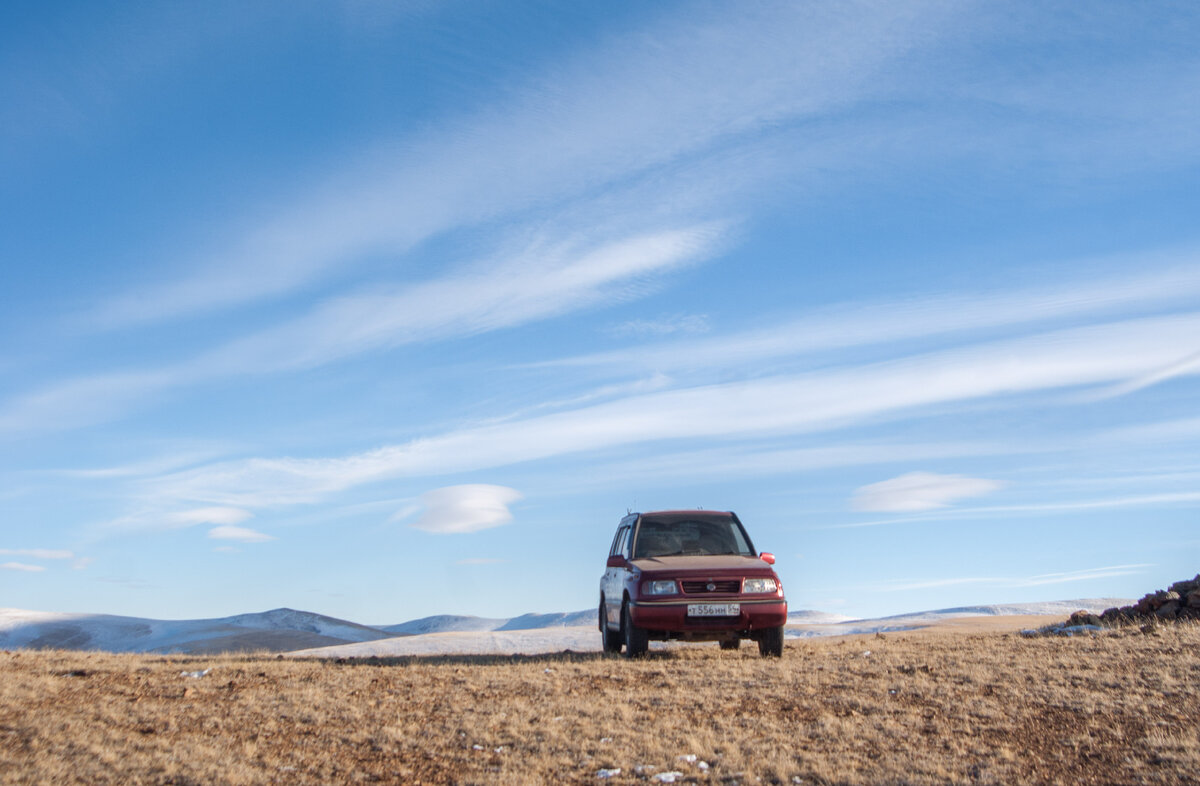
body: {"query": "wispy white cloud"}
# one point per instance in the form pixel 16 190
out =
pixel 1166 499
pixel 605 119
pixel 467 508
pixel 1182 367
pixel 21 567
pixel 538 282
pixel 633 103
pixel 158 465
pixel 479 561
pixel 1083 575
pixel 754 460
pixel 1087 574
pixel 916 491
pixel 214 515
pixel 772 406
pixel 1131 501
pixel 661 326
pixel 1179 429
pixel 39 553
pixel 83 401
pixel 240 534
pixel 156 515
pixel 1173 279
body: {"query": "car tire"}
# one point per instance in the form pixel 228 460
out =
pixel 637 641
pixel 770 642
pixel 731 644
pixel 611 638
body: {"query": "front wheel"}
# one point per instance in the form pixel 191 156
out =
pixel 637 640
pixel 770 642
pixel 612 638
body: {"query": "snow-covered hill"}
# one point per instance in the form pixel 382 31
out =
pixel 451 623
pixel 277 630
pixel 443 623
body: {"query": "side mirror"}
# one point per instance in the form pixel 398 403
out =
pixel 617 561
pixel 767 557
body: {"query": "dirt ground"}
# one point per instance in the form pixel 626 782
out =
pixel 974 703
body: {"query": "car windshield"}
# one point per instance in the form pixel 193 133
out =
pixel 689 535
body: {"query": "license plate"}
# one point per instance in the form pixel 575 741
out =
pixel 714 609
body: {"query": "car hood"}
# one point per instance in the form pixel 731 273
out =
pixel 702 564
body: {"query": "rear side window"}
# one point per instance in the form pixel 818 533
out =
pixel 620 543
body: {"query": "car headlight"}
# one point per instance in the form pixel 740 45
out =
pixel 759 585
pixel 659 587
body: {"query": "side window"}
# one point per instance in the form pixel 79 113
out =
pixel 620 543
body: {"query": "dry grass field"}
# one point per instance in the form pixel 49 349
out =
pixel 959 706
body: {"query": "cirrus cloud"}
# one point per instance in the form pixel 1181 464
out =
pixel 39 553
pixel 21 567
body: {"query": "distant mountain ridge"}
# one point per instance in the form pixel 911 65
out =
pixel 277 630
pixel 288 630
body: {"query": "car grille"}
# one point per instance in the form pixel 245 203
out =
pixel 720 585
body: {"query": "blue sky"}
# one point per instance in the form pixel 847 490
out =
pixel 386 310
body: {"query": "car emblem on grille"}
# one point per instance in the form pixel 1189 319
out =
pixel 710 586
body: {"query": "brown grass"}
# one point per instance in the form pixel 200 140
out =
pixel 922 708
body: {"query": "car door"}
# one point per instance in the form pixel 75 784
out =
pixel 614 576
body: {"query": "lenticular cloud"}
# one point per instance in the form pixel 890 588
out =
pixel 919 491
pixel 466 508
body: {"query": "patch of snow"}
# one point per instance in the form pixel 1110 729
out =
pixel 447 623
pixel 441 623
pixel 811 617
pixel 855 627
pixel 572 619
pixel 524 642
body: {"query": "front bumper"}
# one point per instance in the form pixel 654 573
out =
pixel 670 616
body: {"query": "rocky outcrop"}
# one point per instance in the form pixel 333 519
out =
pixel 1180 601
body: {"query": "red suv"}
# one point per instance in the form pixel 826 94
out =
pixel 692 575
